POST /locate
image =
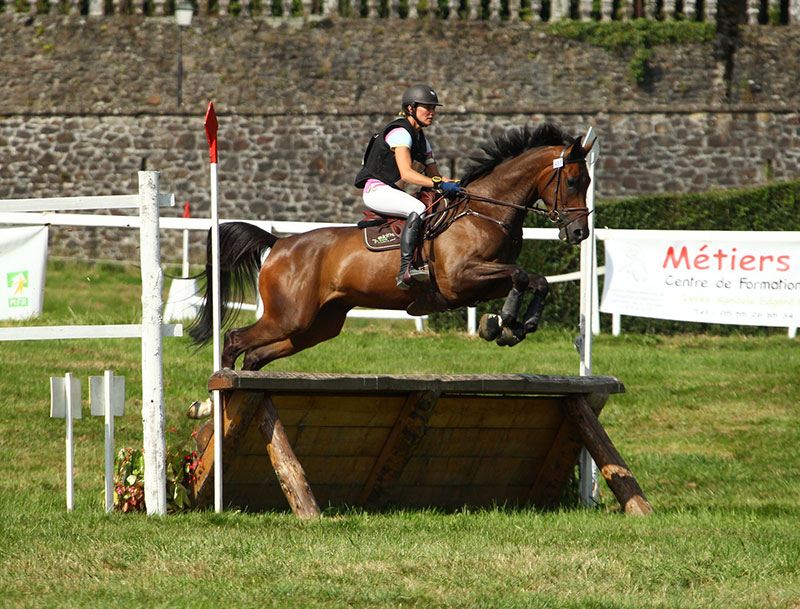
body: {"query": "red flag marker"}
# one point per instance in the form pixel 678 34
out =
pixel 211 126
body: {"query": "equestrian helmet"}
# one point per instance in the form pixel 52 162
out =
pixel 420 94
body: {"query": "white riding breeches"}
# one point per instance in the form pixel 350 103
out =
pixel 384 199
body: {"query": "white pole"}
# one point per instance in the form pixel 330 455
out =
pixel 185 268
pixel 109 415
pixel 211 126
pixel 588 483
pixel 70 473
pixel 153 415
pixel 472 326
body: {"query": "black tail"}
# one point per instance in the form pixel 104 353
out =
pixel 241 247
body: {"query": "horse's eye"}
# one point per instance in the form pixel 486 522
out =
pixel 572 182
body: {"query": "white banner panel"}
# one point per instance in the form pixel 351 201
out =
pixel 713 277
pixel 23 262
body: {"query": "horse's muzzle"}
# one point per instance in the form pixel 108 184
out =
pixel 573 236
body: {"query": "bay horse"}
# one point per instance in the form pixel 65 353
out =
pixel 309 281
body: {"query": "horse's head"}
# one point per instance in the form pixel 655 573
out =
pixel 562 187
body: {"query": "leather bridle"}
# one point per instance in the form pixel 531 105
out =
pixel 559 216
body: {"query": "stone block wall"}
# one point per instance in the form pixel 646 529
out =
pixel 87 102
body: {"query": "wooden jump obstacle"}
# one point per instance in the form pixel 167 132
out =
pixel 407 440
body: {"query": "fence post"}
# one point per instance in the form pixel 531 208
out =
pixel 153 415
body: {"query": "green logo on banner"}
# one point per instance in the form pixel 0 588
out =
pixel 17 282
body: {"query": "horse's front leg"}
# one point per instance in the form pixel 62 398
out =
pixel 540 287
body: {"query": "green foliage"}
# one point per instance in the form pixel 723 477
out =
pixel 181 461
pixel 634 39
pixel 442 9
pixel 345 8
pixel 297 8
pixel 363 8
pixel 423 9
pixel 767 208
pixel 276 8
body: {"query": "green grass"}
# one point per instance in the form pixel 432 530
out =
pixel 708 425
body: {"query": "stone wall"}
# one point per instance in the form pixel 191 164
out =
pixel 87 102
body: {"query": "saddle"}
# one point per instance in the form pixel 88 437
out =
pixel 382 232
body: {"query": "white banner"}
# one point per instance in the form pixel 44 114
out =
pixel 704 276
pixel 23 262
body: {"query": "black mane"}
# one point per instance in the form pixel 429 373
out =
pixel 511 144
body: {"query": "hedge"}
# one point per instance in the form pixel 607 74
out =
pixel 775 207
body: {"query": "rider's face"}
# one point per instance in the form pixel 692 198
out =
pixel 425 113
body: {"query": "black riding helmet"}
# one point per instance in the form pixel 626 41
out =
pixel 417 95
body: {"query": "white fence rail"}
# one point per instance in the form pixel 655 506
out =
pixel 277 227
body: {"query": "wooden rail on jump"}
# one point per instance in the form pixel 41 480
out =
pixel 407 440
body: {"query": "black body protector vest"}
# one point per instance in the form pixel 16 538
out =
pixel 379 162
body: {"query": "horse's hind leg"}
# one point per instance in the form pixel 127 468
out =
pixel 327 325
pixel 237 341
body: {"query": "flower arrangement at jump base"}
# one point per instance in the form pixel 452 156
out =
pixel 181 463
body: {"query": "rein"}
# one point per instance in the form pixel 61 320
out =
pixel 559 216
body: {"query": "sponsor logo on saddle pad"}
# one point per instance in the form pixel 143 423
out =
pixel 18 281
pixel 379 238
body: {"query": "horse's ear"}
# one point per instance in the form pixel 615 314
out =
pixel 576 151
pixel 588 146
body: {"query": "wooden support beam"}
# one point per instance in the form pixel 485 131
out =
pixel 291 476
pixel 558 466
pixel 619 478
pixel 408 430
pixel 237 413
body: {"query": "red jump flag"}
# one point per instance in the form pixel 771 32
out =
pixel 211 126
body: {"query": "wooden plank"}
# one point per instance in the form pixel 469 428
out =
pixel 469 471
pixel 308 383
pixel 338 410
pixel 455 497
pixel 290 473
pixel 238 411
pixel 405 435
pixel 262 497
pixel 256 469
pixel 497 411
pixel 477 442
pixel 619 478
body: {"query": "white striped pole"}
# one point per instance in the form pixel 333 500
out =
pixel 211 127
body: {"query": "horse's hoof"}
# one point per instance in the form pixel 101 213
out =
pixel 530 328
pixel 489 327
pixel 199 410
pixel 511 335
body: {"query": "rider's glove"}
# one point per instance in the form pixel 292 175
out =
pixel 450 188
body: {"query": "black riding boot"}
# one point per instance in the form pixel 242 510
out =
pixel 408 242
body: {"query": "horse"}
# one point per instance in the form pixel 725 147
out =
pixel 309 281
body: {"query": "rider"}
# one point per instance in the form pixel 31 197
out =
pixel 387 169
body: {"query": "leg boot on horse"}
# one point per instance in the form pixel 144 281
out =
pixel 409 239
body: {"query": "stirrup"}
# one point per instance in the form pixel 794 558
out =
pixel 410 273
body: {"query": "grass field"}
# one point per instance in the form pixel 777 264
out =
pixel 709 426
